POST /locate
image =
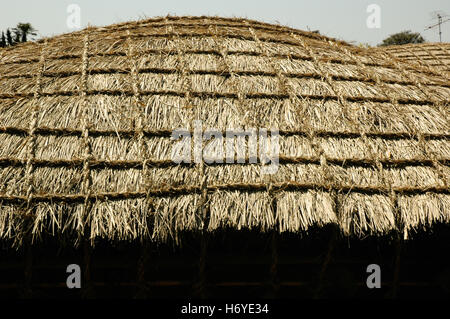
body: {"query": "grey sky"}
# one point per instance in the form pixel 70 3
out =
pixel 343 19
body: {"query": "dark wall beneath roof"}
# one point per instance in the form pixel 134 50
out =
pixel 237 264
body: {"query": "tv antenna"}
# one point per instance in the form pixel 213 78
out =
pixel 439 15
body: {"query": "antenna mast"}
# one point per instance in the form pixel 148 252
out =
pixel 440 21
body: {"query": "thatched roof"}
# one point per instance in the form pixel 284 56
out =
pixel 86 121
pixel 429 55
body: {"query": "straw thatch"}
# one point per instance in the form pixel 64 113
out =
pixel 86 120
pixel 435 56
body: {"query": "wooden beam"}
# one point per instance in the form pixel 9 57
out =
pixel 143 288
pixel 274 278
pixel 27 291
pixel 396 279
pixel 180 283
pixel 326 262
pixel 199 286
pixel 87 287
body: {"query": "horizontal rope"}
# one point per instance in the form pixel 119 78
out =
pixel 413 47
pixel 418 50
pixel 422 57
pixel 45 131
pixel 129 164
pixel 205 94
pixel 242 37
pixel 224 73
pixel 235 22
pixel 241 187
pixel 187 35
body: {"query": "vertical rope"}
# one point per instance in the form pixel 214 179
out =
pixel 274 279
pixel 411 65
pixel 86 173
pixel 375 77
pixel 400 226
pixel 418 65
pixel 31 142
pixel 443 48
pixel 29 175
pixel 447 52
pixel 419 61
pixel 441 62
pixel 143 288
pixel 138 105
pixel 87 152
pixel 200 287
pixel 287 89
pixel 439 105
pixel 233 78
pixel 379 167
pixel 326 171
pixel 293 97
pixel 327 78
pixel 183 69
pixel 426 153
pixel 328 177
